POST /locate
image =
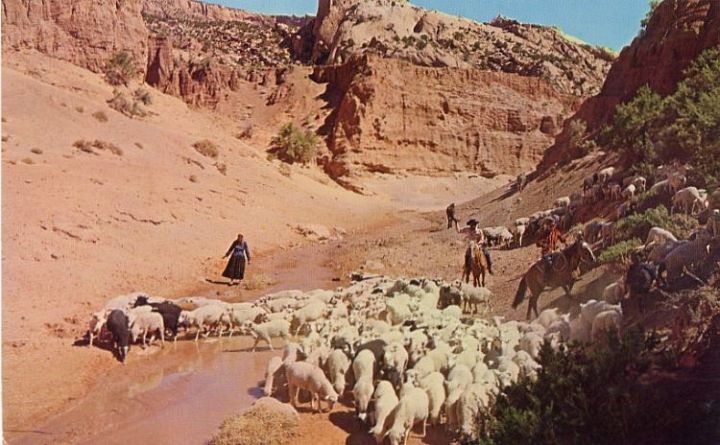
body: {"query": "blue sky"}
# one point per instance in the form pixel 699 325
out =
pixel 611 23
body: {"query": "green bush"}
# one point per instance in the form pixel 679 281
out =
pixel 120 69
pixel 295 145
pixel 638 225
pixel 596 396
pixel 619 251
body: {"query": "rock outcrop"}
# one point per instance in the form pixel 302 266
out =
pixel 390 115
pixel 84 32
pixel 676 33
pixel 343 28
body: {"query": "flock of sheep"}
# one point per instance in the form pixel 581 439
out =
pixel 404 351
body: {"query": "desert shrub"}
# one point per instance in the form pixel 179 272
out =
pixel 638 225
pixel 36 151
pixel 120 68
pixel 684 126
pixel 207 148
pixel 619 251
pixel 90 146
pixel 653 5
pixel 246 132
pixel 590 396
pixel 79 109
pixel 27 161
pixel 222 168
pixel 192 178
pixel 143 96
pixel 295 145
pixel 129 107
pixel 100 116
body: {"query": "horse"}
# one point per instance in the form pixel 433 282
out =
pixel 565 263
pixel 478 265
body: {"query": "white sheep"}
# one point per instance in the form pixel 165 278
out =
pixel 472 403
pixel 301 375
pixel 266 331
pixel 459 378
pixel 208 316
pixel 531 343
pixel 605 174
pixel 337 365
pixel 605 321
pixel 96 324
pixel 687 200
pixel 273 367
pixel 580 331
pixel 660 186
pixel 590 309
pixel 310 312
pixel 385 402
pixel 547 317
pixel 560 326
pixel 562 202
pixel 676 181
pixel 434 386
pixel 687 255
pixel 452 311
pixel 629 191
pixel 396 357
pixel 362 392
pixel 658 235
pixel 412 408
pixel 528 366
pixel 363 365
pixel 519 231
pixel 147 322
pixel 474 296
pixel 239 316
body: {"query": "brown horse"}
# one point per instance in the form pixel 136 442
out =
pixel 564 264
pixel 478 266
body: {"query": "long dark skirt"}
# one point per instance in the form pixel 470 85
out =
pixel 235 269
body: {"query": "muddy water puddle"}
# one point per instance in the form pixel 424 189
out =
pixel 176 395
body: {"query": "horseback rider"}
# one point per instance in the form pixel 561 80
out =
pixel 474 235
pixel 549 242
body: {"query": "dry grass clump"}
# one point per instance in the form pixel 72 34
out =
pixel 256 426
pixel 207 148
pixel 245 133
pixel 143 96
pixel 28 161
pixel 90 146
pixel 120 68
pixel 36 151
pixel 259 281
pixel 193 178
pixel 80 109
pixel 129 107
pixel 100 116
pixel 222 168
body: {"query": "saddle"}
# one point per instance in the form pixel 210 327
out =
pixel 558 263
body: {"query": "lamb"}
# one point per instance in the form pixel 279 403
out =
pixel 676 181
pixel 117 324
pixel 562 202
pixel 396 357
pixel 170 313
pixel 97 322
pixel 266 331
pixel 605 321
pixel 434 386
pixel 364 364
pixel 301 375
pixel 629 191
pixel 337 365
pixel 239 317
pixel 614 292
pixel 146 322
pixel 385 402
pixel 520 228
pixel 362 392
pixel 687 199
pixel 412 408
pixel 614 189
pixel 202 317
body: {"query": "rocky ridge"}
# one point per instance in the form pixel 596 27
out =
pixel 676 33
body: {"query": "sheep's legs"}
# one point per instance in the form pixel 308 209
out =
pixel 197 334
pixel 424 425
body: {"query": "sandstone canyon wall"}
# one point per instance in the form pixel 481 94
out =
pixel 676 33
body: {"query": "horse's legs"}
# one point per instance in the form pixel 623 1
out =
pixel 530 306
pixel 483 278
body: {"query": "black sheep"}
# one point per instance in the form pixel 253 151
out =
pixel 170 313
pixel 117 324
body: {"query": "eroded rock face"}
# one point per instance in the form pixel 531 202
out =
pixel 427 120
pixel 84 32
pixel 397 29
pixel 676 34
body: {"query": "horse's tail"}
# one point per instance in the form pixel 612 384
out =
pixel 520 295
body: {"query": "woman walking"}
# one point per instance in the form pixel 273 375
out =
pixel 238 251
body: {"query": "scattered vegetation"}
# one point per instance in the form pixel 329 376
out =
pixel 193 178
pixel 222 168
pixel 638 225
pixel 27 161
pixel 143 96
pixel 256 426
pixel 129 107
pixel 100 116
pixel 292 144
pixel 245 133
pixel 36 151
pixel 79 109
pixel 653 5
pixel 207 148
pixel 120 68
pixel 684 126
pixel 619 252
pixel 139 145
pixel 596 396
pixel 90 147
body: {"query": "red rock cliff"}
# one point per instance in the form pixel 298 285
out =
pixel 677 32
pixel 84 32
pixel 426 120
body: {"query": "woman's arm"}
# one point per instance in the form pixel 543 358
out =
pixel 232 246
pixel 247 251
